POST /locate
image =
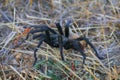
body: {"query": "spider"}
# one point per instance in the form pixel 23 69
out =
pixel 59 40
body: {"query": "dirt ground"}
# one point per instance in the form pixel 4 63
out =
pixel 98 20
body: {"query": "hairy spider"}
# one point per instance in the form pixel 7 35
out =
pixel 59 40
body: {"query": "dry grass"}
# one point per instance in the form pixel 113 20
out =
pixel 99 20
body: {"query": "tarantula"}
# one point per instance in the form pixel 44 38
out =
pixel 59 40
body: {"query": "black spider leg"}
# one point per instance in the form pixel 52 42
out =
pixel 67 28
pixel 42 38
pixel 40 28
pixel 60 40
pixel 59 28
pixel 43 28
pixel 78 46
pixel 67 31
pixel 84 56
pixel 91 45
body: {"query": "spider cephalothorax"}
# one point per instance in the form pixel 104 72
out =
pixel 59 40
